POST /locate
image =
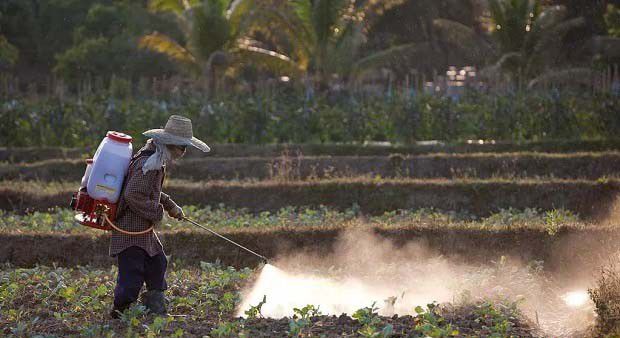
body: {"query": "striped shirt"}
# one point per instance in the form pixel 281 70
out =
pixel 141 205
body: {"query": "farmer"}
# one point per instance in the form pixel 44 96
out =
pixel 140 255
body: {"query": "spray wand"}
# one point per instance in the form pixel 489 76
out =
pixel 263 258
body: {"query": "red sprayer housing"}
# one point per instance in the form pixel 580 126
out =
pixel 92 211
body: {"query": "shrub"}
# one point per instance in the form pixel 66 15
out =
pixel 606 298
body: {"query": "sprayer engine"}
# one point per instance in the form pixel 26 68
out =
pixel 100 189
pixel 92 212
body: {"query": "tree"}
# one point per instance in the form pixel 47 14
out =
pixel 105 45
pixel 413 22
pixel 214 37
pixel 328 38
pixel 39 29
pixel 527 41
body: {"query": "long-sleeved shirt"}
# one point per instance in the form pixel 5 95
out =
pixel 141 206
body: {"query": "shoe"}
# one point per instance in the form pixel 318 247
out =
pixel 155 301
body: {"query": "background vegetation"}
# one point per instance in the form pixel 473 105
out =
pixel 309 71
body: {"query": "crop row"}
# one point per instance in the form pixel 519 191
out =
pixel 481 165
pixel 271 150
pixel 564 249
pixel 371 195
pixel 55 301
pixel 60 220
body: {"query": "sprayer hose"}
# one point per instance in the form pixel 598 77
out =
pixel 107 220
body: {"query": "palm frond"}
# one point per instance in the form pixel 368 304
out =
pixel 465 39
pixel 511 18
pixel 501 64
pixel 163 44
pixel 270 60
pixel 549 44
pixel 574 76
pixel 550 16
pixel 238 14
pixel 557 32
pixel 393 56
pixel 210 29
pixel 300 40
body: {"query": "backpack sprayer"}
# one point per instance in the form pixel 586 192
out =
pixel 100 188
pixel 102 184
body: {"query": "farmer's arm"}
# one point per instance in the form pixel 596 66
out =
pixel 173 209
pixel 167 202
pixel 140 197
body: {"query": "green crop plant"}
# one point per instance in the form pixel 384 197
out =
pixel 555 218
pixel 301 319
pixel 606 298
pixel 369 319
pixel 496 321
pixel 430 323
pixel 229 329
pixel 59 220
pixel 255 310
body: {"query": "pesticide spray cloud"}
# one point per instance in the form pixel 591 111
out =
pixel 364 269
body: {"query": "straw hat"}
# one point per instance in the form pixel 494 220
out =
pixel 178 131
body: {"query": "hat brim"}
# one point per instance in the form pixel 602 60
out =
pixel 167 138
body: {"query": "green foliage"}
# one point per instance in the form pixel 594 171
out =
pixel 105 44
pixel 495 321
pixel 301 320
pixel 512 18
pixel 369 319
pixel 429 323
pixel 229 329
pixel 255 310
pixel 60 220
pixel 40 29
pixel 555 218
pixel 606 296
pixel 78 299
pixel 552 220
pixel 287 118
pixel 612 20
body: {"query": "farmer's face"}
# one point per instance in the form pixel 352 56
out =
pixel 176 151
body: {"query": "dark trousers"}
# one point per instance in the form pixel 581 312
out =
pixel 136 267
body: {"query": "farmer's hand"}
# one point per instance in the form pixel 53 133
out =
pixel 176 212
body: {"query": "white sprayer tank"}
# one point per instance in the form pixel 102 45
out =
pixel 109 166
pixel 89 167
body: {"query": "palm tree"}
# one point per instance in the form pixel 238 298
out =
pixel 526 41
pixel 327 38
pixel 214 34
pixel 435 52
